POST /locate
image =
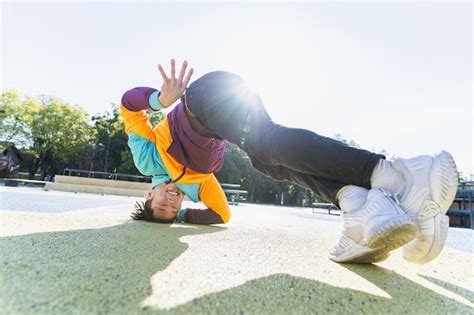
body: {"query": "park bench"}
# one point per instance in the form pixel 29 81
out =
pixel 234 196
pixel 323 205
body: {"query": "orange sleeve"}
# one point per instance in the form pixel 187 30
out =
pixel 137 122
pixel 213 196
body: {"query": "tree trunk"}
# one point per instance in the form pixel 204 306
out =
pixel 33 168
pixel 252 191
pixel 45 163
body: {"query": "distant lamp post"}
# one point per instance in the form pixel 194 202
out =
pixel 94 149
pixel 106 163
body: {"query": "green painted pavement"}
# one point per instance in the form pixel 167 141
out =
pixel 86 271
pixel 268 260
pixel 108 270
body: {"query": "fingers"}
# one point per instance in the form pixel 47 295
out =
pixel 172 78
pixel 183 71
pixel 173 70
pixel 188 77
pixel 163 74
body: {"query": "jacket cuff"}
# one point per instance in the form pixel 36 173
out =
pixel 181 215
pixel 153 101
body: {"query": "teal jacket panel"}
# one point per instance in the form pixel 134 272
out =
pixel 149 163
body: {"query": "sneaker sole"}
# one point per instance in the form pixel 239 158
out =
pixel 414 254
pixel 443 184
pixel 387 240
pixel 362 255
pixel 443 181
pixel 372 257
pixel 396 233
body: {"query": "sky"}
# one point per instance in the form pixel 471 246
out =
pixel 393 76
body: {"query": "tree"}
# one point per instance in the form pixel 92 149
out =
pixel 16 114
pixel 49 131
pixel 238 169
pixel 109 141
pixel 349 142
pixel 110 151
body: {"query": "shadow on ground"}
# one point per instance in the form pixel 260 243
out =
pixel 108 271
pixel 465 293
pixel 104 271
pixel 285 294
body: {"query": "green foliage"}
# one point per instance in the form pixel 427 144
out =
pixel 49 131
pixel 53 134
pixel 349 142
pixel 59 127
pixel 238 169
pixel 127 166
pixel 110 140
pixel 16 115
pixel 155 117
pixel 110 148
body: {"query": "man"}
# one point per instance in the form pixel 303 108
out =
pixel 385 204
pixel 180 160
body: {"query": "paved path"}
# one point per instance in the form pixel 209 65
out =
pixel 77 253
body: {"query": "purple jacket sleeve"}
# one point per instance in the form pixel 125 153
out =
pixel 137 99
pixel 201 216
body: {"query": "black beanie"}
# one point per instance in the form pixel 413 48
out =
pixel 221 101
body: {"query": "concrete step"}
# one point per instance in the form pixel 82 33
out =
pixel 102 190
pixel 75 180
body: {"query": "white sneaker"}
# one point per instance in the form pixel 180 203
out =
pixel 348 251
pixel 373 230
pixel 431 184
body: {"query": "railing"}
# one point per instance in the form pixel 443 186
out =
pixel 234 195
pixel 106 175
pixel 326 206
pixel 463 202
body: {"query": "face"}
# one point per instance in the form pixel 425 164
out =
pixel 167 200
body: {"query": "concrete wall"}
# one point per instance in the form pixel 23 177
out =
pixel 98 186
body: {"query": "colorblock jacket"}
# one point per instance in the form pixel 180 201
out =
pixel 149 147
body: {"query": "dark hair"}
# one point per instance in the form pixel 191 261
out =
pixel 144 211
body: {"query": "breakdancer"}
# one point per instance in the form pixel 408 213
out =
pixel 385 204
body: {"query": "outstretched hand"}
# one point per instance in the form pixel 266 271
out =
pixel 173 87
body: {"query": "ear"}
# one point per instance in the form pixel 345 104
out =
pixel 149 194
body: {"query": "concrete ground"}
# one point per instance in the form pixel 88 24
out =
pixel 65 253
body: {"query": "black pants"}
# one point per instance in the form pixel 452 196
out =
pixel 321 164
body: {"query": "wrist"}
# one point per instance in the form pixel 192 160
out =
pixel 181 217
pixel 164 101
pixel 153 101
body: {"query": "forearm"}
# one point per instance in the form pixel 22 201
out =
pixel 141 98
pixel 199 216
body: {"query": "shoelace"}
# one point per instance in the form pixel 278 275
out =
pixel 430 208
pixel 396 198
